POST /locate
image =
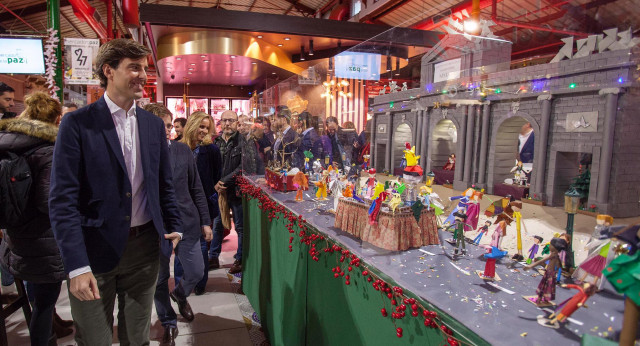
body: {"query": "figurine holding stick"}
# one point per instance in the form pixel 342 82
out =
pixel 546 291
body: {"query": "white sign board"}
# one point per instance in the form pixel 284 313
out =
pixel 79 54
pixel 447 70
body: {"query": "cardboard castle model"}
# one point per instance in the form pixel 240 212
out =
pixel 582 109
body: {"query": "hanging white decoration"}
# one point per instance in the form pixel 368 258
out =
pixel 51 61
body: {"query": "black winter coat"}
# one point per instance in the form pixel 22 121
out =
pixel 31 251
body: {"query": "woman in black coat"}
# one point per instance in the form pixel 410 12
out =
pixel 197 135
pixel 30 251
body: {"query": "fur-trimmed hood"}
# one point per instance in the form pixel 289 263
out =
pixel 20 134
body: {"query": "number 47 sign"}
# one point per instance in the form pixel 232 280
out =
pixel 79 57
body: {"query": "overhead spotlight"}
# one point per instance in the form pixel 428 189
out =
pixel 203 56
pixel 178 58
pixel 259 36
pixel 397 66
pixel 310 47
pixel 279 44
pixel 192 64
pixel 471 26
pixel 254 63
pixel 205 60
pixel 302 53
pixel 388 63
pixel 330 64
pixel 287 38
pixel 233 57
pixel 236 71
pixel 273 73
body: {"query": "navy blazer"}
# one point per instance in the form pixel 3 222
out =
pixel 526 154
pixel 310 142
pixel 189 193
pixel 90 194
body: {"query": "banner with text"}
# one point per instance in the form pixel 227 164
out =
pixel 79 56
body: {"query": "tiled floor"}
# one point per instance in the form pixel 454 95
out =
pixel 217 313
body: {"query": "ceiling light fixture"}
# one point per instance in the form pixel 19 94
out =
pixel 310 47
pixel 302 53
pixel 205 60
pixel 287 38
pixel 233 57
pixel 279 44
pixel 388 63
pixel 259 36
pixel 203 56
pixel 178 58
pixel 236 71
pixel 273 73
pixel 254 63
pixel 192 64
pixel 397 66
pixel 471 26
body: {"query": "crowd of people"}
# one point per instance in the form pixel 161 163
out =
pixel 113 197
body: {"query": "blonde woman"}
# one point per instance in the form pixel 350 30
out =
pixel 197 135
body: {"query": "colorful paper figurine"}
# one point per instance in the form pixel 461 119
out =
pixel 569 306
pixel 321 194
pixel 516 206
pixel 374 210
pixel 546 291
pixel 623 274
pixel 412 160
pixel 451 163
pixel 458 228
pixel 300 182
pixel 533 250
pixel 482 231
pixel 490 266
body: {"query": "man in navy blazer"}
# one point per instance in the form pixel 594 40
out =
pixel 526 142
pixel 112 203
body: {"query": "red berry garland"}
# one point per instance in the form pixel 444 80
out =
pixel 275 210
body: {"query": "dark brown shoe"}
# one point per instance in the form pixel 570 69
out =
pixel 169 335
pixel 214 263
pixel 183 307
pixel 236 267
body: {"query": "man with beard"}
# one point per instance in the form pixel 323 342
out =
pixel 231 144
pixel 7 95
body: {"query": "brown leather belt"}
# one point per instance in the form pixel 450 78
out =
pixel 138 230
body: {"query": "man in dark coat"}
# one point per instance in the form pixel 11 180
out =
pixel 526 142
pixel 231 145
pixel 195 220
pixel 112 204
pixel 286 144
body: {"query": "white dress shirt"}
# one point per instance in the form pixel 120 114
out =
pixel 523 139
pixel 126 124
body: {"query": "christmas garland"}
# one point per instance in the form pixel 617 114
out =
pixel 51 62
pixel 400 303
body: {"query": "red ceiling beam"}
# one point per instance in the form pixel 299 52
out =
pixel 85 13
pixel 429 24
pixel 130 14
pixel 20 18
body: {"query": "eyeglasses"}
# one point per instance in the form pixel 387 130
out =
pixel 228 121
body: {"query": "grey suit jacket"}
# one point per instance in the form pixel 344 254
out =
pixel 190 196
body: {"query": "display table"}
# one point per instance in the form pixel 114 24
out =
pixel 443 177
pixel 300 302
pixel 394 231
pixel 516 191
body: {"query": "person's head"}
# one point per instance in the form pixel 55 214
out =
pixel 526 128
pixel 69 107
pixel 604 220
pixel 7 95
pixel 229 122
pixel 122 68
pixel 487 223
pixel 282 119
pixel 477 195
pixel 244 124
pixel 40 106
pixel 332 125
pixel 349 125
pixel 178 125
pixel 198 129
pixel 266 121
pixel 163 113
pixel 537 239
pixel 257 130
pixel 558 244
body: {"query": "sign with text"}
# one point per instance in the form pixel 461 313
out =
pixel 447 70
pixel 79 54
pixel 21 55
pixel 356 65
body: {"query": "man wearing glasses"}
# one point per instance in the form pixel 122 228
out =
pixel 231 144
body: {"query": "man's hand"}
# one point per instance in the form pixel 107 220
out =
pixel 267 149
pixel 220 187
pixel 174 237
pixel 207 233
pixel 84 287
